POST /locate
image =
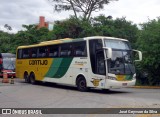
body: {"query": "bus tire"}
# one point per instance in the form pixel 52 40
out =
pixel 81 84
pixel 32 78
pixel 26 77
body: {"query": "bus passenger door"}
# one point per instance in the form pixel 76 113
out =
pixel 100 63
pixel 98 67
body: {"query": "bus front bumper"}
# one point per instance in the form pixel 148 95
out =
pixel 118 84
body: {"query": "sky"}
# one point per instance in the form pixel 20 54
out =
pixel 15 13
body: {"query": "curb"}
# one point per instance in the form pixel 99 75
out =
pixel 145 87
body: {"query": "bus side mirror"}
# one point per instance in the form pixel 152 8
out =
pixel 108 52
pixel 139 55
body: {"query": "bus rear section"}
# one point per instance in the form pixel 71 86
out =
pixel 1 74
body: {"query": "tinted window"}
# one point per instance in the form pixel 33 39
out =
pixel 33 52
pixel 80 49
pixel 19 54
pixel 53 51
pixel 25 53
pixel 42 52
pixel 117 44
pixel 66 50
pixel 77 49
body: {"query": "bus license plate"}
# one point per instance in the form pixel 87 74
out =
pixel 124 84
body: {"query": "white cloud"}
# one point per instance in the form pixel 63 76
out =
pixel 137 11
pixel 18 12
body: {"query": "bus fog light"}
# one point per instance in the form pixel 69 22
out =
pixel 111 78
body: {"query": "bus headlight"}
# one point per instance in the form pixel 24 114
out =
pixel 112 78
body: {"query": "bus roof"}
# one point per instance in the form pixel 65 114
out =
pixel 59 41
pixel 104 37
pixel 68 40
pixel 8 55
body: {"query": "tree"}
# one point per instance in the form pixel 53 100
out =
pixel 7 27
pixel 73 28
pixel 31 35
pixel 149 43
pixel 100 25
pixel 86 7
pixel 119 27
pixel 6 40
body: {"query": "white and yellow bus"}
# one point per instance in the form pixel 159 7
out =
pixel 97 62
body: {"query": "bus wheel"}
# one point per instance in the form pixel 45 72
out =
pixel 32 78
pixel 81 84
pixel 26 78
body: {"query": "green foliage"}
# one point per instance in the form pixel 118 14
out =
pixel 66 28
pixel 30 35
pixel 73 28
pixel 149 43
pixel 101 25
pixel 6 40
pixel 119 27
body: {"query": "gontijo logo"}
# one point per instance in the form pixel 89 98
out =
pixel 38 62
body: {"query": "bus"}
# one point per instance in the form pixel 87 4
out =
pixel 90 62
pixel 7 64
pixel 1 64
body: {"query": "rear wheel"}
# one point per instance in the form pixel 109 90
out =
pixel 81 84
pixel 32 78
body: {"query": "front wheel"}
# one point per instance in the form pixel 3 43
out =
pixel 82 85
pixel 26 78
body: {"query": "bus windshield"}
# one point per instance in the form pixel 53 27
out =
pixel 122 61
pixel 9 63
pixel 0 62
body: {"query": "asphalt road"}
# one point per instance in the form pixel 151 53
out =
pixel 47 95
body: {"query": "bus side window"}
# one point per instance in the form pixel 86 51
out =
pixel 53 51
pixel 42 52
pixel 66 50
pixel 80 49
pixel 25 53
pixel 19 54
pixel 33 52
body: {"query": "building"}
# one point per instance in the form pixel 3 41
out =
pixel 43 23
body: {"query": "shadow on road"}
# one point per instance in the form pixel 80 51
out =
pixel 91 90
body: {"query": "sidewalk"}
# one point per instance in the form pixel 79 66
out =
pixel 16 81
pixel 145 87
